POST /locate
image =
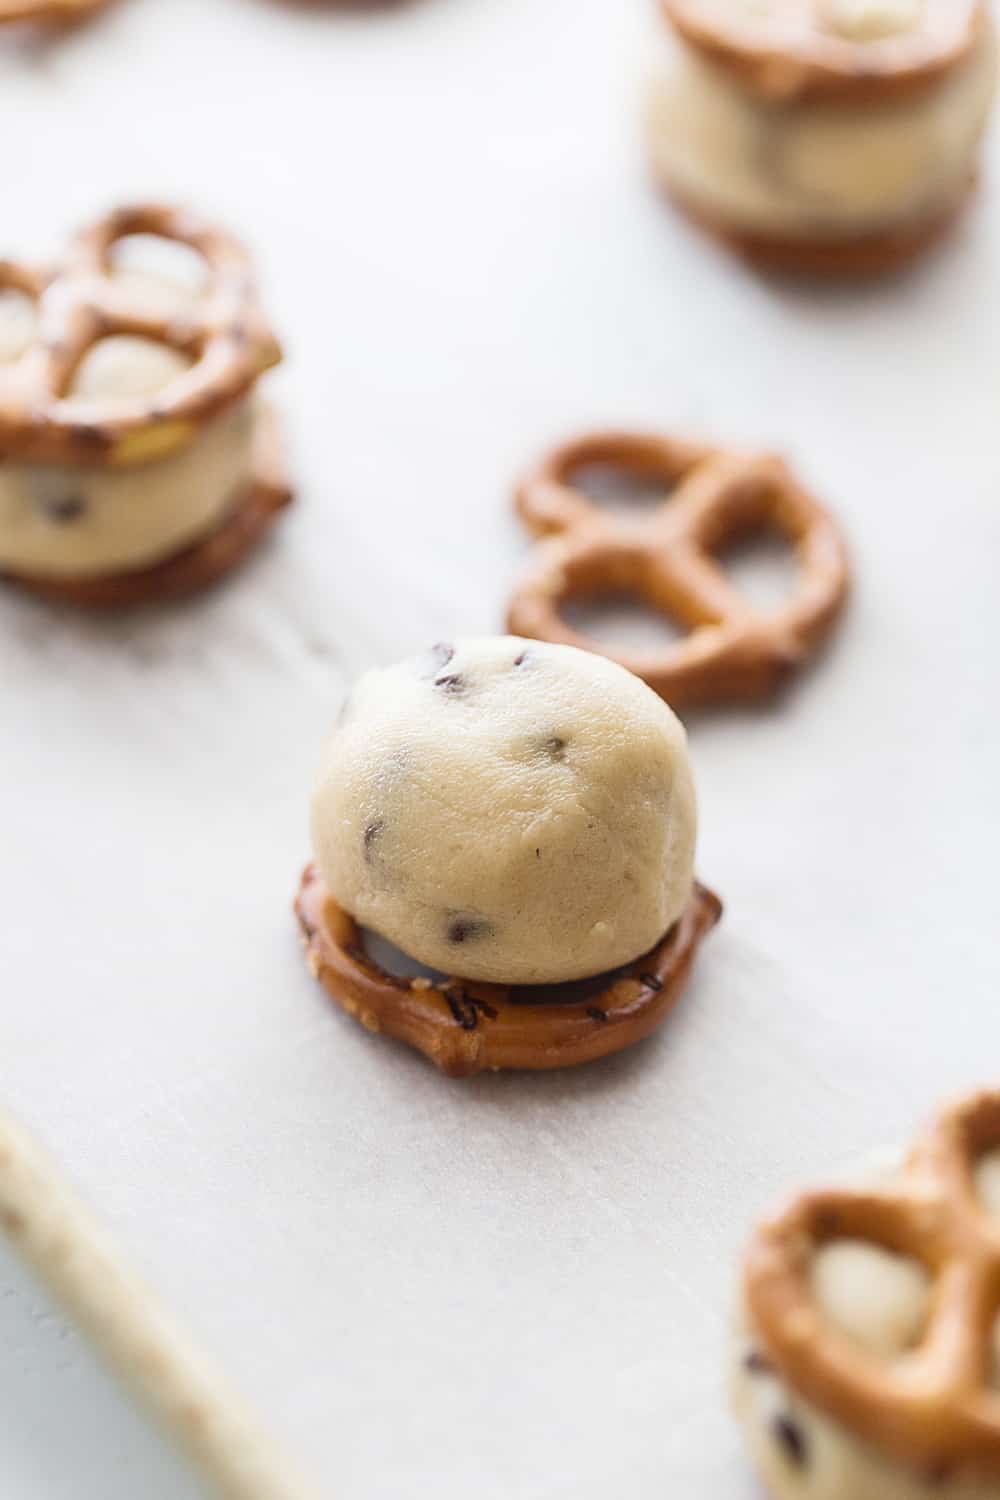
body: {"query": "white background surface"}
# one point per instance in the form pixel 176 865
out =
pixel 514 1286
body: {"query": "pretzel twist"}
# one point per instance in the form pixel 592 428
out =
pixel 465 1027
pixel 732 650
pixel 223 333
pixel 932 1408
pixel 796 50
pixel 65 11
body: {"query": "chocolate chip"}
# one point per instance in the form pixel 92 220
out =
pixel 555 747
pixel 468 929
pixel 596 1013
pixel 652 982
pixel 520 660
pixel 791 1440
pixel 373 831
pixel 437 657
pixel 462 1009
pixel 468 1008
pixel 64 509
pixel 756 1363
pixel 453 683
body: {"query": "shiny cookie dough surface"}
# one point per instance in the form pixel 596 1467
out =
pixel 508 811
pixel 880 1301
pixel 66 522
pixel 815 170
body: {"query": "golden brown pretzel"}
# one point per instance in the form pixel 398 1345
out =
pixel 932 1409
pixel 465 1027
pixel 732 651
pixel 794 51
pixel 224 333
pixel 49 10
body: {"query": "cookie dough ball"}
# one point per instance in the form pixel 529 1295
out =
pixel 508 811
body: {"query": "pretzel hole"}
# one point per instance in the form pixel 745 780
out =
pixel 761 563
pixel 986 1175
pixel 123 367
pixel 875 1297
pixel 168 277
pixel 621 622
pixel 393 961
pixel 18 322
pixel 622 491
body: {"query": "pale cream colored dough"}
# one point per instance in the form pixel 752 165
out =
pixel 509 811
pixel 75 522
pixel 881 1301
pixel 819 170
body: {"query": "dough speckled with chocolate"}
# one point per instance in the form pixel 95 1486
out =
pixel 76 522
pixel 508 811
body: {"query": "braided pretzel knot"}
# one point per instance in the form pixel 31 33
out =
pixel 732 651
pixel 798 48
pixel 48 10
pixel 465 1027
pixel 932 1408
pixel 223 333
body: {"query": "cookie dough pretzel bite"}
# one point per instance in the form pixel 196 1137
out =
pixel 136 463
pixel 828 136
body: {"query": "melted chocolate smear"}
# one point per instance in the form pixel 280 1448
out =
pixel 453 683
pixel 467 1009
pixel 468 929
pixel 791 1440
pixel 520 660
pixel 91 435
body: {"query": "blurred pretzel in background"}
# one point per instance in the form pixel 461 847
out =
pixel 713 499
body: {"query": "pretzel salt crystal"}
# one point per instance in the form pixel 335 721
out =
pixel 934 1409
pixel 733 650
pixel 223 334
pixel 465 1027
pixel 794 50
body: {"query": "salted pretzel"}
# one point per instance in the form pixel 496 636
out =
pixel 667 560
pixel 934 1409
pixel 223 333
pixel 796 49
pixel 465 1027
pixel 58 11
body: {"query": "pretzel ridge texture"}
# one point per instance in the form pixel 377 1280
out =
pixel 795 52
pixel 732 651
pixel 224 334
pixel 465 1027
pixel 933 1408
